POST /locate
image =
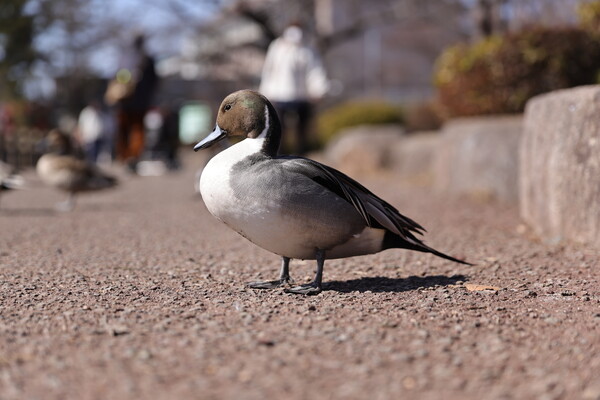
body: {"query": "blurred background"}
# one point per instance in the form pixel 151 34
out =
pixel 413 62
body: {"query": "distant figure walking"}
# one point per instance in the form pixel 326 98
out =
pixel 292 78
pixel 132 92
pixel 90 130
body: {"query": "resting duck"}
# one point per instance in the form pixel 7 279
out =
pixel 61 169
pixel 293 206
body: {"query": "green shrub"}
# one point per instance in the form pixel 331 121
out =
pixel 589 16
pixel 354 113
pixel 499 74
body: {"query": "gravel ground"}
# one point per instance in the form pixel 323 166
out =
pixel 139 293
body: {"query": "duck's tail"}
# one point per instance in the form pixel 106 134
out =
pixel 100 179
pixel 393 241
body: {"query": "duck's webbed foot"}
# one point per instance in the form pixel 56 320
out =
pixel 307 289
pixel 315 286
pixel 270 284
pixel 284 278
pixel 67 205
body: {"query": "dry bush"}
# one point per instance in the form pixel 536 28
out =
pixel 499 74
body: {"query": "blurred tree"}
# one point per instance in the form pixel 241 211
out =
pixel 589 16
pixel 41 39
pixel 71 31
pixel 354 18
pixel 331 25
pixel 488 17
pixel 17 31
pixel 80 38
pixel 66 25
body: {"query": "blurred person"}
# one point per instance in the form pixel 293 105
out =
pixel 162 144
pixel 132 92
pixel 90 130
pixel 153 123
pixel 109 128
pixel 293 78
pixel 169 136
pixel 7 119
pixel 152 164
pixel 7 127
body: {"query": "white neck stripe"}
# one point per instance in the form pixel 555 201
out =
pixel 263 134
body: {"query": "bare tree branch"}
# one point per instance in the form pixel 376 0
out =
pixel 259 17
pixel 392 12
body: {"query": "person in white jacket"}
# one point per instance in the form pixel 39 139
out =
pixel 293 78
pixel 90 129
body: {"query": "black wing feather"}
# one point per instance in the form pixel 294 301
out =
pixel 376 212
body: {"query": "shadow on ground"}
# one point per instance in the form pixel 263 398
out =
pixel 27 212
pixel 49 212
pixel 380 284
pixel 97 207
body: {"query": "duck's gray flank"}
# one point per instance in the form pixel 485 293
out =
pixel 284 189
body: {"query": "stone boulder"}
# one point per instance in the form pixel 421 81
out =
pixel 480 157
pixel 560 165
pixel 363 149
pixel 412 156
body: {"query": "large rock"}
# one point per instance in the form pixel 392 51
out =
pixel 480 156
pixel 560 159
pixel 363 149
pixel 412 156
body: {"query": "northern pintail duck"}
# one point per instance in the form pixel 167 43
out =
pixel 63 170
pixel 293 206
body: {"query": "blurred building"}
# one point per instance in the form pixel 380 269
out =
pixel 227 48
pixel 394 54
pixel 369 48
pixel 378 48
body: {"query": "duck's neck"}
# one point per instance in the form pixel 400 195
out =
pixel 271 131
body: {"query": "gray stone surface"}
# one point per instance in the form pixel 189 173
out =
pixel 560 158
pixel 479 156
pixel 413 155
pixel 363 149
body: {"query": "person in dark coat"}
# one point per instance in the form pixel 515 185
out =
pixel 139 71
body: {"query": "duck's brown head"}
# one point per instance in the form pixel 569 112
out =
pixel 248 114
pixel 56 142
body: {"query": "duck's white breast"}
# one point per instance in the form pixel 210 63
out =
pixel 215 182
pixel 254 219
pixel 50 175
pixel 253 215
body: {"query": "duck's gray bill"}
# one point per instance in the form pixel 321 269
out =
pixel 216 135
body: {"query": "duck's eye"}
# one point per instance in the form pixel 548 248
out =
pixel 227 107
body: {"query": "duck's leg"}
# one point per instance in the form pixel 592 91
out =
pixel 68 204
pixel 315 286
pixel 284 278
